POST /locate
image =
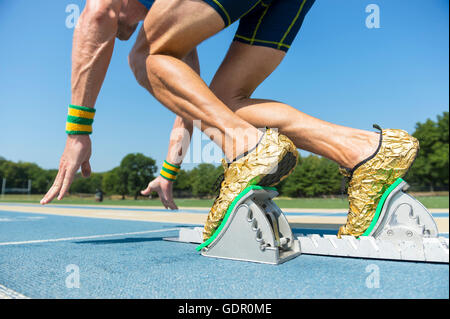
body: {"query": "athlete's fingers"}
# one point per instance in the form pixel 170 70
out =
pixel 172 204
pixel 54 190
pixel 163 199
pixel 68 178
pixel 86 169
pixel 170 201
pixel 148 190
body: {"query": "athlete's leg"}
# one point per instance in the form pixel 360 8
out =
pixel 171 29
pixel 131 12
pixel 375 161
pixel 244 68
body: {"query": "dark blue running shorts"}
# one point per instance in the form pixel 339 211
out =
pixel 270 23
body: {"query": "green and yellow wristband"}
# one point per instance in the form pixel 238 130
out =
pixel 169 171
pixel 79 120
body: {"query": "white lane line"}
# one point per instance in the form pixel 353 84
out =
pixel 86 237
pixel 131 214
pixel 6 293
pixel 21 219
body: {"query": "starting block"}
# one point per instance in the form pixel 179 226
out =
pixel 255 229
pixel 402 229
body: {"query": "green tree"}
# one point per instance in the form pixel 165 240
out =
pixel 313 176
pixel 112 183
pixel 18 174
pixel 87 185
pixel 40 179
pixel 15 175
pixel 432 163
pixel 203 179
pixel 183 181
pixel 136 170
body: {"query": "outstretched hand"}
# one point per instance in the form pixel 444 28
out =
pixel 76 153
pixel 164 189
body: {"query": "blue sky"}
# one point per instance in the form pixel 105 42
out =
pixel 337 70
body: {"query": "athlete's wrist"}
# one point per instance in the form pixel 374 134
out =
pixel 78 137
pixel 78 142
pixel 164 180
pixel 169 171
pixel 79 120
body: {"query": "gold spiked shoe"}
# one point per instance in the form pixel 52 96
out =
pixel 272 160
pixel 369 179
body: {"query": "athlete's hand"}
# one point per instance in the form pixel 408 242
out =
pixel 164 189
pixel 76 153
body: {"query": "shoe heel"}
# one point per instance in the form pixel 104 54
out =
pixel 284 168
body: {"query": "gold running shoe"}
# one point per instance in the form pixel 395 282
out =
pixel 272 160
pixel 370 178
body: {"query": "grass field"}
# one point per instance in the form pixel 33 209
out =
pixel 326 203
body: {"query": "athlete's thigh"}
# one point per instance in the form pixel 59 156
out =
pixel 175 27
pixel 264 36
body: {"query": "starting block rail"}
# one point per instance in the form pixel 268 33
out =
pixel 430 250
pixel 255 229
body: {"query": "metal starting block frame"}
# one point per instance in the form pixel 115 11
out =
pixel 255 229
pixel 402 229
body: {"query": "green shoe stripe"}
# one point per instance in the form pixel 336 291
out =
pixel 380 206
pixel 227 215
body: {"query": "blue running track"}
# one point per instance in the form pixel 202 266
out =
pixel 129 259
